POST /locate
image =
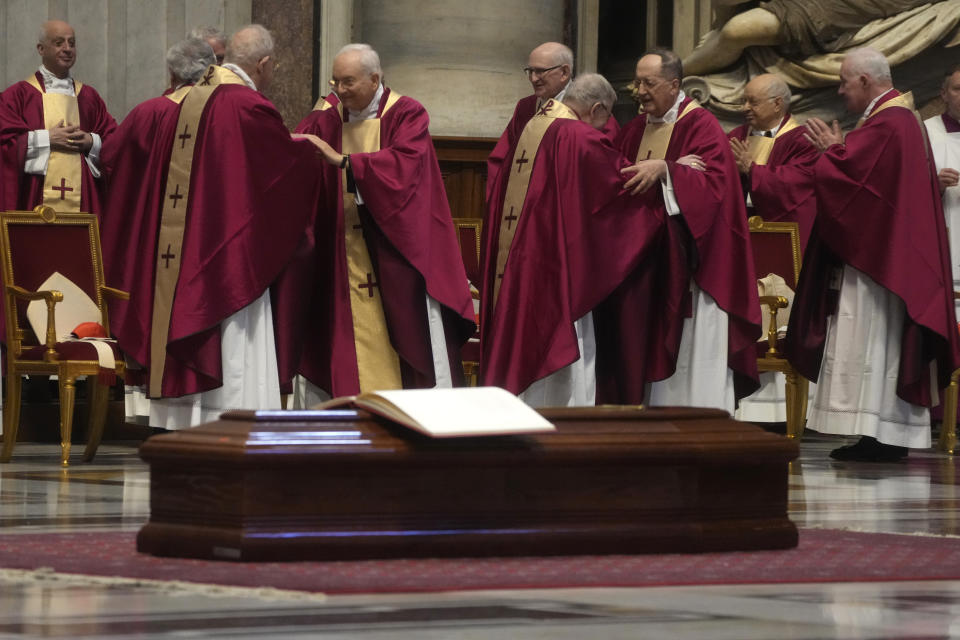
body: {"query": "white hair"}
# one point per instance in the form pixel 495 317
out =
pixel 589 88
pixel 248 45
pixel 869 62
pixel 369 59
pixel 188 59
pixel 209 33
pixel 779 89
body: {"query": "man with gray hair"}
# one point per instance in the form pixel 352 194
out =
pixel 873 320
pixel 193 233
pixel 549 69
pixel 214 37
pixel 187 60
pixel 560 235
pixel 392 306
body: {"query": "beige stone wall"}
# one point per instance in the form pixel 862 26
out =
pixel 121 44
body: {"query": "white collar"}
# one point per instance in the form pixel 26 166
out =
pixel 243 75
pixel 369 111
pixel 866 113
pixel 53 84
pixel 773 132
pixel 672 113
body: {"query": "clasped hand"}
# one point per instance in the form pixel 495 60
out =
pixel 70 138
pixel 646 173
pixel 821 135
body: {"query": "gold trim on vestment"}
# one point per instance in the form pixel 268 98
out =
pixel 904 100
pixel 322 104
pixel 518 181
pixel 759 148
pixel 656 136
pixel 178 95
pixel 63 181
pixel 174 214
pixel 378 364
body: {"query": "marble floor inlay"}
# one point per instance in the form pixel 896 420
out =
pixel 918 496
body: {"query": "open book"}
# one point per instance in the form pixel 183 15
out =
pixel 449 413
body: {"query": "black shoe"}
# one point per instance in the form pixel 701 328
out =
pixel 869 449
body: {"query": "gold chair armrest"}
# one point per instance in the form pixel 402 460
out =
pixel 115 293
pixel 775 303
pixel 23 294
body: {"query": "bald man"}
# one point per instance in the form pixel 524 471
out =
pixel 54 131
pixel 873 319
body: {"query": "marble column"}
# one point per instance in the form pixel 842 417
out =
pixel 291 24
pixel 461 58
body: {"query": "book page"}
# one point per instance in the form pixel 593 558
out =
pixel 466 411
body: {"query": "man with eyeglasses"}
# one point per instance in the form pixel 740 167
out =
pixel 775 162
pixel 392 304
pixel 681 151
pixel 873 319
pixel 774 157
pixel 560 235
pixel 209 225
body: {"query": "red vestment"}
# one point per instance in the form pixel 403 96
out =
pixel 409 233
pixel 712 207
pixel 879 211
pixel 248 227
pixel 579 237
pixel 522 113
pixel 782 189
pixel 24 113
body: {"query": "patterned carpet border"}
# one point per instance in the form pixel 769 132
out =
pixel 822 556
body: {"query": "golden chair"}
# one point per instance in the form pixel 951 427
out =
pixel 776 249
pixel 468 235
pixel 34 245
pixel 948 427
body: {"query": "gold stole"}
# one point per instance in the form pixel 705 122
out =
pixel 656 136
pixel 174 213
pixel 62 184
pixel 519 181
pixel 760 147
pixel 323 105
pixel 378 364
pixel 904 100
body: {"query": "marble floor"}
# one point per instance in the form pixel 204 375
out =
pixel 916 496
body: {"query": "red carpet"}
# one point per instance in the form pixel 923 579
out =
pixel 822 556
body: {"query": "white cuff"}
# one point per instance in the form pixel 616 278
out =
pixel 93 156
pixel 38 152
pixel 669 198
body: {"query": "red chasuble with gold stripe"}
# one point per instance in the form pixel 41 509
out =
pixel 712 207
pixel 879 210
pixel 560 235
pixel 247 202
pixel 380 259
pixel 781 180
pixel 28 108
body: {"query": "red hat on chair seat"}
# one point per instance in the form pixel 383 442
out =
pixel 89 330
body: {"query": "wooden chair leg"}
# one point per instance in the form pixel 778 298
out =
pixel 67 396
pixel 99 394
pixel 793 403
pixel 948 428
pixel 803 397
pixel 11 416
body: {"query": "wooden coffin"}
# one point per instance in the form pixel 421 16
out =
pixel 333 485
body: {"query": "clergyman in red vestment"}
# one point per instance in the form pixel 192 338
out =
pixel 775 162
pixel 720 316
pixel 52 132
pixel 560 235
pixel 392 303
pixel 210 216
pixel 549 69
pixel 873 319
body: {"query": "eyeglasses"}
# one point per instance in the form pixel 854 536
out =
pixel 647 83
pixel 345 83
pixel 536 71
pixel 750 103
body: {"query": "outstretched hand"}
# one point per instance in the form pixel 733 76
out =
pixel 646 173
pixel 323 148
